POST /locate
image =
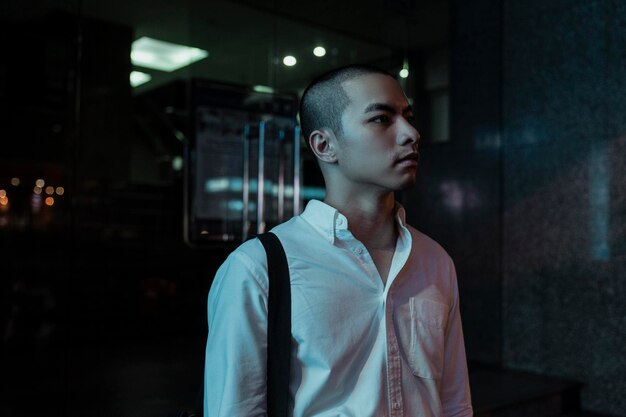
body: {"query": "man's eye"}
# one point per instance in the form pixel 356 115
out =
pixel 381 119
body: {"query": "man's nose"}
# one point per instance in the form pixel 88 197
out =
pixel 408 134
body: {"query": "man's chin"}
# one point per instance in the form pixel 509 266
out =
pixel 408 183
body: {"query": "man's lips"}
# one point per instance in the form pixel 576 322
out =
pixel 409 159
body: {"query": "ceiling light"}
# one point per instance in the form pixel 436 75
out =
pixel 319 51
pixel 137 78
pixel 263 88
pixel 164 56
pixel 289 60
pixel 142 57
pixel 177 163
pixel 404 72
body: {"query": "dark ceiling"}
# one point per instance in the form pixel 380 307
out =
pixel 247 39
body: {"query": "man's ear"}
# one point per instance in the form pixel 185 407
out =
pixel 322 145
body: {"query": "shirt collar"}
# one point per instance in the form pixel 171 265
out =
pixel 328 221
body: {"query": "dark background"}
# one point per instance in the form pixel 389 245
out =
pixel 102 304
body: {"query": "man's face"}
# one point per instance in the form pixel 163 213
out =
pixel 377 147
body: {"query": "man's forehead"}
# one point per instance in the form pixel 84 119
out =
pixel 374 88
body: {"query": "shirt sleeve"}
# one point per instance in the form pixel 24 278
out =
pixel 455 390
pixel 236 350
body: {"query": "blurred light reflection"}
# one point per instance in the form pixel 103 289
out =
pixel 457 197
pixel 599 202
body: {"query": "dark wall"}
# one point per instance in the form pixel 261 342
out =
pixel 529 196
pixel 564 208
pixel 457 200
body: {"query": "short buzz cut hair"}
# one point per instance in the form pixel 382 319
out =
pixel 324 100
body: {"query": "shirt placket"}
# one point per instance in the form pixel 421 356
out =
pixel 394 362
pixel 394 369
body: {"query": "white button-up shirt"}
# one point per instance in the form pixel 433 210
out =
pixel 360 347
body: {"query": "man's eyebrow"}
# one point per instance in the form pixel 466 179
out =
pixel 386 108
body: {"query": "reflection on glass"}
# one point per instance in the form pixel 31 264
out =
pixel 36 203
pixel 290 60
pixel 319 51
pixel 138 78
pixel 164 56
pixel 599 202
pixel 263 89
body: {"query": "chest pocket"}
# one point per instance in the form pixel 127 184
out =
pixel 421 327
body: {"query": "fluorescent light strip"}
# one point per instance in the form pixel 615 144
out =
pixel 164 56
pixel 263 89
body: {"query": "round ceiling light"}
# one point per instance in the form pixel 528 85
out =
pixel 289 60
pixel 319 51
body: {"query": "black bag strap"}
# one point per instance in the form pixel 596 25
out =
pixel 278 327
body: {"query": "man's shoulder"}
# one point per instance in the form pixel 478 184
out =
pixel 295 232
pixel 245 264
pixel 252 253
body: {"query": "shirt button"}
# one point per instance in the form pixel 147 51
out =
pixel 339 222
pixel 396 406
pixel 359 251
pixel 393 349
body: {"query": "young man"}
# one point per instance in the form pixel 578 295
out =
pixel 376 329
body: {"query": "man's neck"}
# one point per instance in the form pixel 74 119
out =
pixel 370 219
